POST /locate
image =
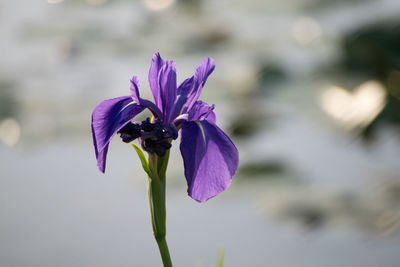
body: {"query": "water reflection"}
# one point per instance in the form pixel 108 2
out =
pixel 282 67
pixel 312 208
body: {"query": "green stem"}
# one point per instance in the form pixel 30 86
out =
pixel 156 193
pixel 163 247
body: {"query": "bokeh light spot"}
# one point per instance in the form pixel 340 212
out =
pixel 357 108
pixel 156 5
pixel 306 30
pixel 10 132
pixel 54 1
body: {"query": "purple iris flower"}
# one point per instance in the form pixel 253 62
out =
pixel 210 158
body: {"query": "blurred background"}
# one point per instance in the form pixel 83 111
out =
pixel 308 90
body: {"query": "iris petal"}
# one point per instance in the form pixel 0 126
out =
pixel 156 64
pixel 185 87
pixel 143 102
pixel 107 119
pixel 135 89
pixel 181 99
pixel 202 111
pixel 199 79
pixel 210 159
pixel 167 85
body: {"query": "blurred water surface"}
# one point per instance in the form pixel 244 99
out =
pixel 307 90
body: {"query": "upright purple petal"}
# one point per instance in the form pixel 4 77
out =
pixel 107 119
pixel 185 87
pixel 156 64
pixel 181 99
pixel 135 89
pixel 199 79
pixel 167 85
pixel 203 71
pixel 189 90
pixel 210 159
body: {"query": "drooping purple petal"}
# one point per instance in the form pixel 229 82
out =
pixel 135 89
pixel 156 64
pixel 152 107
pixel 107 119
pixel 199 79
pixel 210 159
pixel 167 85
pixel 202 111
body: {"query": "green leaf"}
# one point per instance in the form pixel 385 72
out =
pixel 143 159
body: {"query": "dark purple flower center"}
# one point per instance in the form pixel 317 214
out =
pixel 130 132
pixel 155 137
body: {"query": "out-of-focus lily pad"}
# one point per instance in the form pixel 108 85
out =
pixel 312 208
pixel 8 102
pixel 270 74
pixel 245 126
pixel 317 4
pixel 262 169
pixel 193 6
pixel 210 38
pixel 373 50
